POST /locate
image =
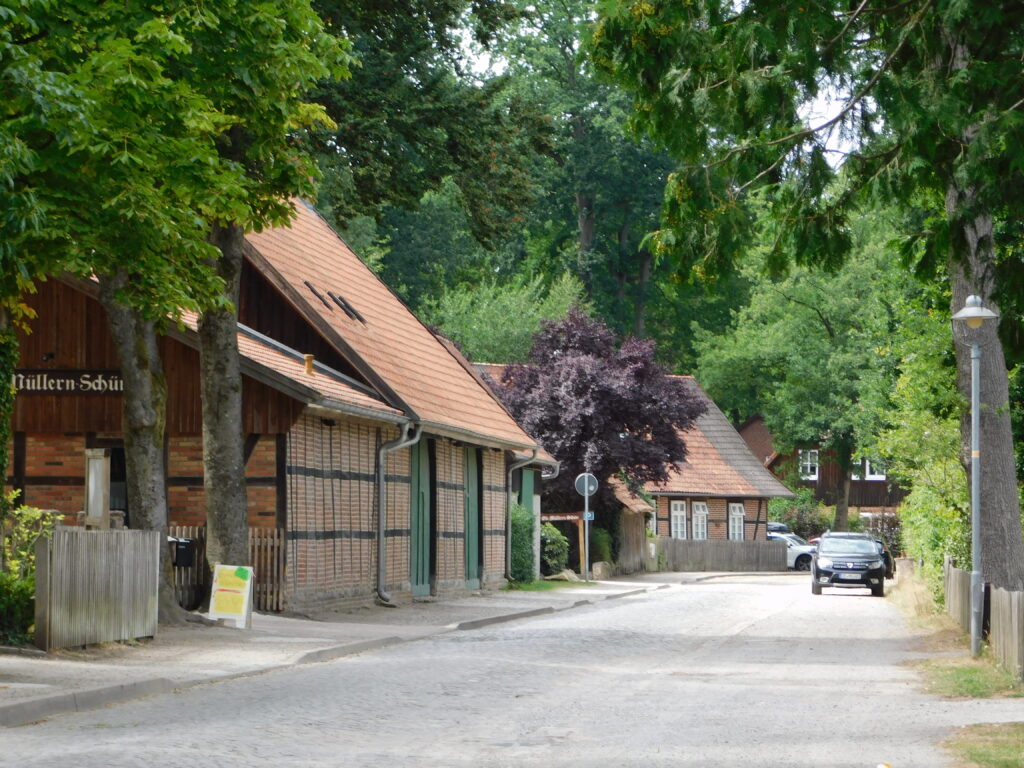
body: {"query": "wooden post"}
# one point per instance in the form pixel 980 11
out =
pixel 42 633
pixel 583 550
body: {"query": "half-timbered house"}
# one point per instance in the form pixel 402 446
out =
pixel 351 408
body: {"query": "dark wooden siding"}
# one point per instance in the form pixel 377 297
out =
pixel 70 332
pixel 863 493
pixel 263 309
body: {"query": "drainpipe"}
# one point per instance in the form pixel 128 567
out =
pixel 508 512
pixel 404 441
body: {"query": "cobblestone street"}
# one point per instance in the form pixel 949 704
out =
pixel 739 671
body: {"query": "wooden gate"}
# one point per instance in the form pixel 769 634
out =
pixel 266 555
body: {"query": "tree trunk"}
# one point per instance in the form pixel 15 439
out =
pixel 643 281
pixel 1002 543
pixel 585 218
pixel 842 518
pixel 144 414
pixel 227 527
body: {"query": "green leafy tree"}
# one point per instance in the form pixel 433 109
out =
pixel 928 99
pixel 279 50
pixel 808 353
pixel 496 323
pixel 601 187
pixel 413 115
pixel 149 140
pixel 921 441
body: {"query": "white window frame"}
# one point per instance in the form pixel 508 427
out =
pixel 699 512
pixel 808 459
pixel 873 471
pixel 737 521
pixel 677 519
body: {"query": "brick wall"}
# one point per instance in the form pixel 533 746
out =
pixel 718 516
pixel 186 499
pixel 495 500
pixel 398 529
pixel 451 517
pixel 331 536
pixel 55 473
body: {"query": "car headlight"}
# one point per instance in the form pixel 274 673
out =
pixel 824 562
pixel 875 564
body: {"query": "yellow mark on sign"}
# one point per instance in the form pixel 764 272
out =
pixel 227 578
pixel 228 602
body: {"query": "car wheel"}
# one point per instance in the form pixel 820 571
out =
pixel 878 590
pixel 815 588
pixel 803 563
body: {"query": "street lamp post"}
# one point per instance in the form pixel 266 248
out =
pixel 975 315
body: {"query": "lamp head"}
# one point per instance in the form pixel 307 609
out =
pixel 974 314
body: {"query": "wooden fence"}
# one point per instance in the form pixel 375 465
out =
pixel 957 585
pixel 1006 634
pixel 1004 611
pixel 266 555
pixel 721 555
pixel 96 587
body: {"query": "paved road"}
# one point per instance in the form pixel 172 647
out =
pixel 738 671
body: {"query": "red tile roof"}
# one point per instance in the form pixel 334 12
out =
pixel 718 462
pixel 320 275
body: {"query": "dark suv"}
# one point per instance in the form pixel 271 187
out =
pixel 848 560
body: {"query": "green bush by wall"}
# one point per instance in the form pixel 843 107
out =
pixel 554 548
pixel 600 546
pixel 17 609
pixel 522 544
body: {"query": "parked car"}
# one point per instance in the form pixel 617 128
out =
pixel 848 560
pixel 778 528
pixel 890 563
pixel 798 551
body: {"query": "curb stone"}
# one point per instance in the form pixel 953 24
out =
pixel 22 713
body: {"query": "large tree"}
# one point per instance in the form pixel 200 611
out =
pixel 413 114
pixel 109 164
pixel 279 49
pixel 124 127
pixel 927 101
pixel 599 407
pixel 809 353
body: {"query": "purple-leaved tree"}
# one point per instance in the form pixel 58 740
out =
pixel 597 407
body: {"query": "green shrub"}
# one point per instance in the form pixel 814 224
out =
pixel 19 532
pixel 17 609
pixel 554 548
pixel 804 515
pixel 522 544
pixel 600 546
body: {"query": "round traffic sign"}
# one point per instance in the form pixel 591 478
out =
pixel 586 484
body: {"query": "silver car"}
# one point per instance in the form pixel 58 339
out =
pixel 798 551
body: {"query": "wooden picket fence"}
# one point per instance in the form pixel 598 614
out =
pixel 958 594
pixel 96 587
pixel 1005 612
pixel 266 555
pixel 1006 634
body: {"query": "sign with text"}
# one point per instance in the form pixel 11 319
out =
pixel 53 381
pixel 567 517
pixel 231 597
